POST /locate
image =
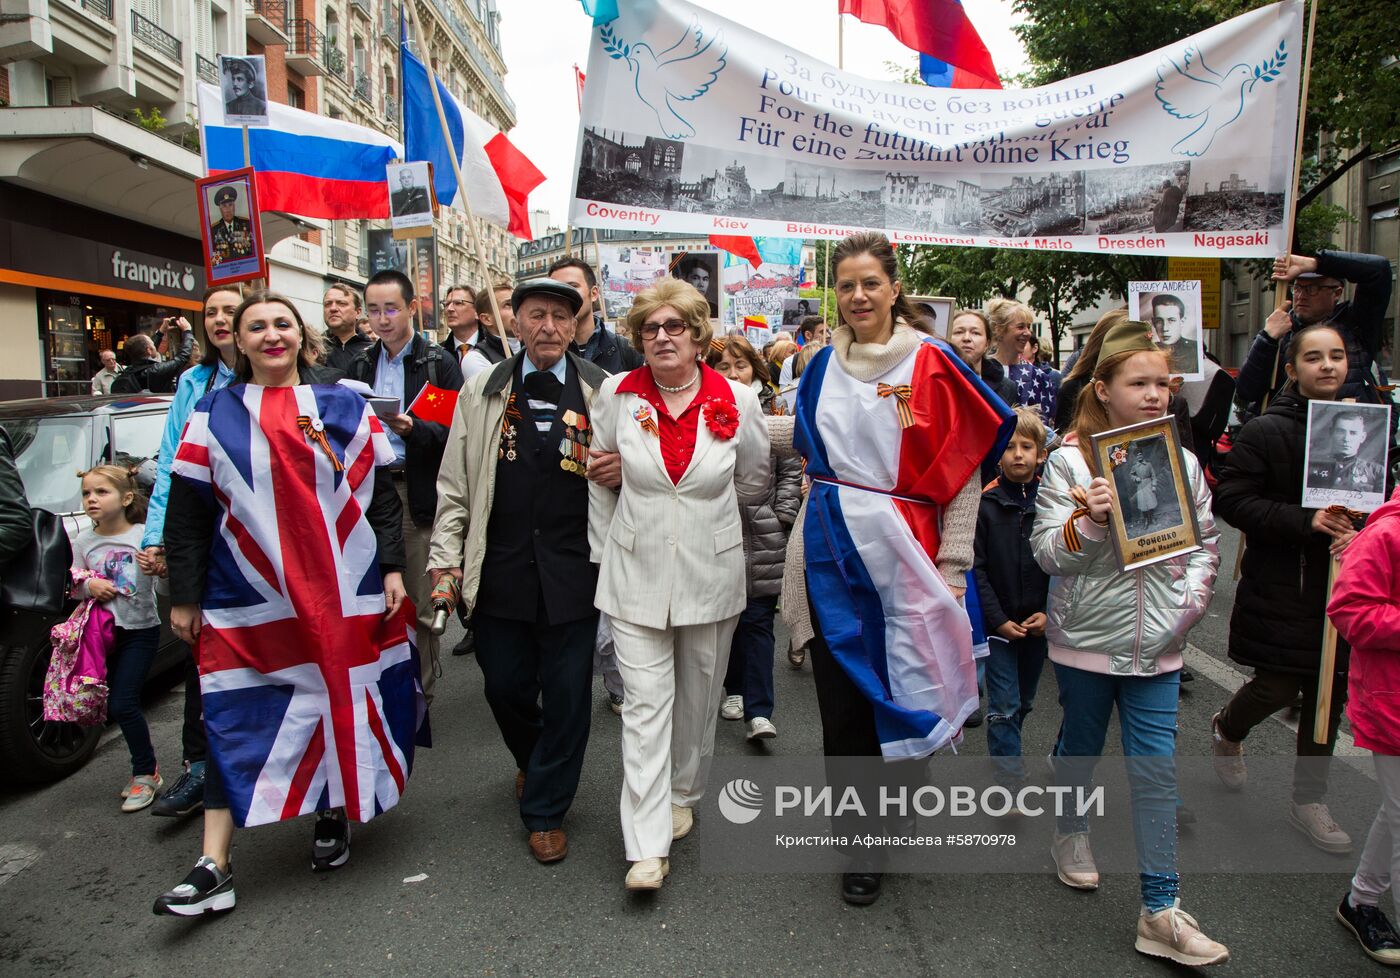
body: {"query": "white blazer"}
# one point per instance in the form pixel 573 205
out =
pixel 672 555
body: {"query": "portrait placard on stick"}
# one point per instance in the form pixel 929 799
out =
pixel 1154 514
pixel 411 200
pixel 229 227
pixel 1346 455
pixel 243 80
pixel 1173 310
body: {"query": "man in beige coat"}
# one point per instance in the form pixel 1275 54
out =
pixel 512 524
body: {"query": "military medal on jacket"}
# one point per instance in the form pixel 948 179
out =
pixel 574 446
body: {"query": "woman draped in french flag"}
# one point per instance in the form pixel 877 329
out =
pixel 893 427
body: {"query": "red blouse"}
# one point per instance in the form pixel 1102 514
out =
pixel 677 434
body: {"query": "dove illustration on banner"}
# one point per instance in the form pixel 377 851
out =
pixel 1194 91
pixel 681 73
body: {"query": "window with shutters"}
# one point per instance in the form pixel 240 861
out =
pixel 204 28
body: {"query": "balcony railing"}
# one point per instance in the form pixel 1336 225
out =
pixel 364 7
pixel 391 111
pixel 363 265
pixel 307 41
pixel 464 37
pixel 340 258
pixel 150 33
pixel 362 89
pixel 333 58
pixel 102 8
pixel 272 11
pixel 207 70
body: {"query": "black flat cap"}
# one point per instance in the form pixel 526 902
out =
pixel 546 287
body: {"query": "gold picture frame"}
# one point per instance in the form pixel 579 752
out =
pixel 1154 510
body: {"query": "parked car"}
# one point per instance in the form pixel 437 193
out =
pixel 54 439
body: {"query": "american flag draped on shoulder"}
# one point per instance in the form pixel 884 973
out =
pixel 311 698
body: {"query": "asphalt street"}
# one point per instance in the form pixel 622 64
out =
pixel 77 877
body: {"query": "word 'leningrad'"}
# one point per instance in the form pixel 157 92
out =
pixel 960 801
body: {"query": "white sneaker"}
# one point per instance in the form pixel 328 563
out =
pixel 1074 861
pixel 732 708
pixel 1315 821
pixel 143 791
pixel 682 821
pixel 1229 757
pixel 647 874
pixel 1173 933
pixel 761 728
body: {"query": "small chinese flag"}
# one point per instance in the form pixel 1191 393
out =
pixel 434 404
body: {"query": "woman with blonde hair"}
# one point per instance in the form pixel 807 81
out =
pixel 669 545
pixel 1013 329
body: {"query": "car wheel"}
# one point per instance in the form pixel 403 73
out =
pixel 33 748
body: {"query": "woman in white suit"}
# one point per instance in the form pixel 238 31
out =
pixel 669 546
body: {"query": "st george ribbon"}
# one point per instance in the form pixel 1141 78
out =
pixel 697 124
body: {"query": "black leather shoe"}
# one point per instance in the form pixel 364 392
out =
pixel 861 889
pixel 466 646
pixel 974 719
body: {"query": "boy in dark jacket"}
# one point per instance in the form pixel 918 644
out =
pixel 1012 590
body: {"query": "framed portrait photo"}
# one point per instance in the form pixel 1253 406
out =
pixel 700 269
pixel 1154 514
pixel 1173 310
pixel 795 310
pixel 411 200
pixel 936 311
pixel 229 227
pixel 1346 455
pixel 243 81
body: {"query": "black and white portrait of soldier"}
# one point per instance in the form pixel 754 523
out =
pixel 245 89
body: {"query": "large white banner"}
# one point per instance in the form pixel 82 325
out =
pixel 695 123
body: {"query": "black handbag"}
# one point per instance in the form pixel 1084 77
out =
pixel 36 578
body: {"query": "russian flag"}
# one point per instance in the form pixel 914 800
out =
pixel 940 31
pixel 306 164
pixel 498 176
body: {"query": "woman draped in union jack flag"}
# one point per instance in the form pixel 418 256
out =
pixel 285 553
pixel 894 428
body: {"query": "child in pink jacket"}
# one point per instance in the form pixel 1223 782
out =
pixel 1365 607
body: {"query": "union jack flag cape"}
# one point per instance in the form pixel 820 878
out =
pixel 311 698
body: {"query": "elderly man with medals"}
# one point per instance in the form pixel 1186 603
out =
pixel 512 502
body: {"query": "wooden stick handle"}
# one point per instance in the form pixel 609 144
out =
pixel 1328 665
pixel 461 184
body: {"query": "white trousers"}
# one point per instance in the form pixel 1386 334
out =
pixel 1380 859
pixel 674 679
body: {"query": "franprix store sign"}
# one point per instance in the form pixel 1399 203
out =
pixel 78 261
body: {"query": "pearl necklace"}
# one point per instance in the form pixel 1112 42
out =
pixel 676 390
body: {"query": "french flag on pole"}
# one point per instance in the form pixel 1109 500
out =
pixel 306 164
pixel 498 176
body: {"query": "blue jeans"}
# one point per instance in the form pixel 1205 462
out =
pixel 127 669
pixel 1147 720
pixel 750 671
pixel 1013 675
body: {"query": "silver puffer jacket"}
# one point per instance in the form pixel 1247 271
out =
pixel 1103 619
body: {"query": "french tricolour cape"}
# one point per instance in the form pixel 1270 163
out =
pixel 871 533
pixel 311 698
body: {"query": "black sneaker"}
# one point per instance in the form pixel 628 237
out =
pixel 330 846
pixel 1373 930
pixel 187 795
pixel 974 719
pixel 205 890
pixel 466 646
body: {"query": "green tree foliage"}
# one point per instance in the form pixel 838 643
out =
pixel 1354 95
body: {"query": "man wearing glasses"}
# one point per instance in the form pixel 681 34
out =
pixel 1317 288
pixel 398 365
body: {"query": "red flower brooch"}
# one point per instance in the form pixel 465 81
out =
pixel 722 418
